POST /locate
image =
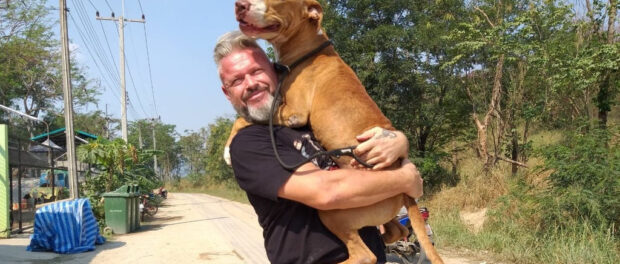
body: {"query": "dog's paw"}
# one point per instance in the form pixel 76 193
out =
pixel 227 156
pixel 293 121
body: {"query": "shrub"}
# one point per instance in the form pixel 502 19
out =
pixel 585 181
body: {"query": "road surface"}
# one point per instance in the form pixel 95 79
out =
pixel 188 228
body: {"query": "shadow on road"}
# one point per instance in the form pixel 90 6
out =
pixel 19 254
pixel 157 225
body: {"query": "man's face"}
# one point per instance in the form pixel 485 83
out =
pixel 248 80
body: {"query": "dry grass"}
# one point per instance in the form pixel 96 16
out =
pixel 476 188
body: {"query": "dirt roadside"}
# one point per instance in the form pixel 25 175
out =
pixel 189 228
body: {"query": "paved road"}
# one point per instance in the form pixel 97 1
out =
pixel 189 228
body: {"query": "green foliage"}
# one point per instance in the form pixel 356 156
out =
pixel 585 183
pixel 193 152
pixel 164 145
pixel 30 65
pixel 217 171
pixel 118 164
pixel 434 175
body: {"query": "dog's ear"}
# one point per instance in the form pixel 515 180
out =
pixel 315 12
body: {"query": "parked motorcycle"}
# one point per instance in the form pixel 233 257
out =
pixel 408 250
pixel 147 206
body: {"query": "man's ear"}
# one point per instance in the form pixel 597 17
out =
pixel 225 92
pixel 315 12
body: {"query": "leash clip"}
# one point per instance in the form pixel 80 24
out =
pixel 348 151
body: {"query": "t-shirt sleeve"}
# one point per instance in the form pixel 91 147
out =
pixel 254 163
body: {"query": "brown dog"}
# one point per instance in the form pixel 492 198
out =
pixel 324 91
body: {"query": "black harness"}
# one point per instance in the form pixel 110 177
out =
pixel 283 71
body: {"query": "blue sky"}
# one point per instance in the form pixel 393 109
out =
pixel 181 35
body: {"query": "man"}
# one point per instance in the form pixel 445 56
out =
pixel 286 202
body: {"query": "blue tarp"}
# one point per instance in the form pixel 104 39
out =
pixel 65 227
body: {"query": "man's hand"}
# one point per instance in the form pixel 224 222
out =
pixel 381 147
pixel 410 170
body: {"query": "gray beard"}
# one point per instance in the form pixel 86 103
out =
pixel 257 115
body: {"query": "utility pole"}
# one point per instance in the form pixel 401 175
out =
pixel 107 123
pixel 155 148
pixel 140 135
pixel 68 100
pixel 121 26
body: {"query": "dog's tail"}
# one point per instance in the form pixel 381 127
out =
pixel 420 231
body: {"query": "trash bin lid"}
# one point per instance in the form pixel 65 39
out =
pixel 123 189
pixel 117 194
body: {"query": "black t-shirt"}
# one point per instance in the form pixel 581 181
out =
pixel 292 231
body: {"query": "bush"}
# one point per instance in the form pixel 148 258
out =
pixel 585 181
pixel 433 173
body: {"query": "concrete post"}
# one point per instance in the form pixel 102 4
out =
pixel 5 200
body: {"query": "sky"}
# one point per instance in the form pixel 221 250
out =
pixel 180 35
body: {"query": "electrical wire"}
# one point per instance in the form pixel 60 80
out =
pixel 91 54
pixel 148 59
pixel 91 38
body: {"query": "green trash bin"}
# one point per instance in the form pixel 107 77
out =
pixel 117 206
pixel 136 207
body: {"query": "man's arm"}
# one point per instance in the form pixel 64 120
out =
pixel 349 188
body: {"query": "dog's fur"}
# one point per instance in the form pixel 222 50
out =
pixel 325 92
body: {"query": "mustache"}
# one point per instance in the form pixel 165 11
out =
pixel 250 92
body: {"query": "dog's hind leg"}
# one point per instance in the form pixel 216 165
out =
pixel 358 252
pixel 394 231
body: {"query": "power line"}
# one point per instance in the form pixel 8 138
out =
pixel 148 59
pixel 90 52
pixel 133 84
pixel 106 1
pixel 91 37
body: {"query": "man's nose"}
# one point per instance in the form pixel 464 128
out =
pixel 250 83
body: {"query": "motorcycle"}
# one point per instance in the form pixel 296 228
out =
pixel 147 206
pixel 408 250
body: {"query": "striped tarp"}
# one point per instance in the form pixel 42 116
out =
pixel 65 227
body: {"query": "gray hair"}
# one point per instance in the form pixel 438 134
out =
pixel 230 42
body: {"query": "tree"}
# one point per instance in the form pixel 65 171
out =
pixel 193 150
pixel 30 75
pixel 217 170
pixel 168 158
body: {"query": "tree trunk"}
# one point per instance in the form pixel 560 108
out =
pixel 604 98
pixel 422 142
pixel 493 105
pixel 525 135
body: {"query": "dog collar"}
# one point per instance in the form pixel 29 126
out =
pixel 282 69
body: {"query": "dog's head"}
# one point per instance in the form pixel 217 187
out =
pixel 278 20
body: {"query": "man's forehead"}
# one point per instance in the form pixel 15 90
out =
pixel 241 57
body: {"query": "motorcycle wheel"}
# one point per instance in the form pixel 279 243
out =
pixel 150 209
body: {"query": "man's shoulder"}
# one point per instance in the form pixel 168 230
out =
pixel 251 133
pixel 254 132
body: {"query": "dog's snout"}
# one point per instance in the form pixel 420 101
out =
pixel 241 6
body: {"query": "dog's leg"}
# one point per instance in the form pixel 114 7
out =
pixel 358 252
pixel 394 231
pixel 238 125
